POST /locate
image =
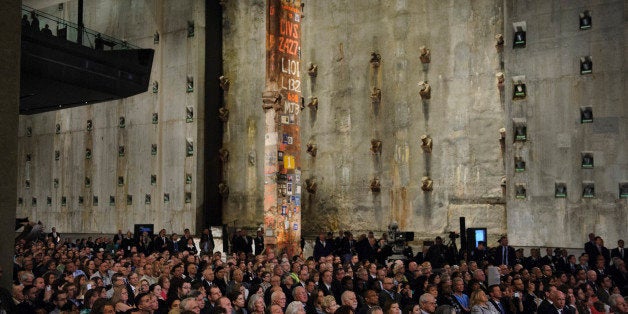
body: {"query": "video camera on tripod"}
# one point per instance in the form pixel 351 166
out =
pixel 398 241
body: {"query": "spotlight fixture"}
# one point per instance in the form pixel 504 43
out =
pixel 586 114
pixel 189 85
pixel 586 65
pixel 520 191
pixel 519 87
pixel 623 189
pixel 521 130
pixel 588 189
pixel 585 20
pixel 587 160
pixel 560 190
pixel 519 39
pixel 520 164
pixel 189 114
pixel 189 147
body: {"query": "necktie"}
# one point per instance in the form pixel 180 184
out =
pixel 505 255
pixel 501 308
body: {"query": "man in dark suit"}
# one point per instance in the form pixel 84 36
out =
pixel 619 251
pixel 389 294
pixel 242 242
pixel 557 305
pixel 371 299
pixel 590 249
pixel 604 252
pixel 504 254
pixel 259 242
pixel 325 282
pixel 495 296
pixel 161 241
pixel 183 242
pixel 56 237
pixel 322 247
pixel 208 277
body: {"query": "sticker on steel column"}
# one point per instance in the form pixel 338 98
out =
pixel 298 190
pixel 295 226
pixel 289 188
pixel 285 138
pixel 280 156
pixel 290 177
pixel 297 176
pixel 284 210
pixel 270 139
pixel 285 119
pixel 296 199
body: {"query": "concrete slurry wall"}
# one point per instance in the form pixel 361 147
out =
pixel 176 57
pixel 556 137
pixel 463 116
pixel 244 63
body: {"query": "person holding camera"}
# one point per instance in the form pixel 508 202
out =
pixel 389 293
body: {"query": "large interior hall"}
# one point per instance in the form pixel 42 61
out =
pixel 302 117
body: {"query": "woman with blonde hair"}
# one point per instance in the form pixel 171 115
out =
pixel 329 304
pixel 120 299
pixel 479 303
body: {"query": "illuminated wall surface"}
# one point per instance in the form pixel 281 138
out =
pixel 544 163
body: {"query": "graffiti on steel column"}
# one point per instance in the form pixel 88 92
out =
pixel 282 197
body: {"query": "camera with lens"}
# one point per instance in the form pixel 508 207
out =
pixel 398 241
pixel 453 235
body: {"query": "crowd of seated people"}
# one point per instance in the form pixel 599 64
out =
pixel 169 274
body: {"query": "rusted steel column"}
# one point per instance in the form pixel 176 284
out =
pixel 281 104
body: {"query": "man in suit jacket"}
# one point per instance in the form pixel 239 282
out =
pixel 161 241
pixel 389 294
pixel 619 251
pixel 56 237
pixel 556 306
pixel 259 242
pixel 590 248
pixel 599 249
pixel 322 247
pixel 242 242
pixel 504 254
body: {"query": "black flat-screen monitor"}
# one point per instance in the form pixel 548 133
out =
pixel 141 228
pixel 474 236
